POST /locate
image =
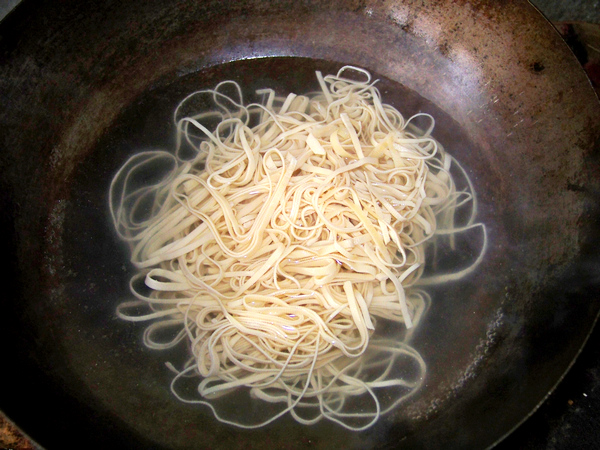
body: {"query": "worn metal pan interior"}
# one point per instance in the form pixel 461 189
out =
pixel 84 85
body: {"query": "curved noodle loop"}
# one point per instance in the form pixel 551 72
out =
pixel 296 226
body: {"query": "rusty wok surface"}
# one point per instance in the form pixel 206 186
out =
pixel 85 84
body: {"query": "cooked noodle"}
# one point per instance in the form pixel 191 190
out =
pixel 296 227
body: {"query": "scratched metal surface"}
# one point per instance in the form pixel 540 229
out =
pixel 552 436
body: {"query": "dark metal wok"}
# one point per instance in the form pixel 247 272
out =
pixel 85 84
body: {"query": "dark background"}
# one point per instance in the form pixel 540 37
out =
pixel 570 416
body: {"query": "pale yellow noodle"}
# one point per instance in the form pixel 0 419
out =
pixel 275 250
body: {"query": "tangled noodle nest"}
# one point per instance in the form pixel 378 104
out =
pixel 297 227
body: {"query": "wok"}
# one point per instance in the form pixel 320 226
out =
pixel 86 84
